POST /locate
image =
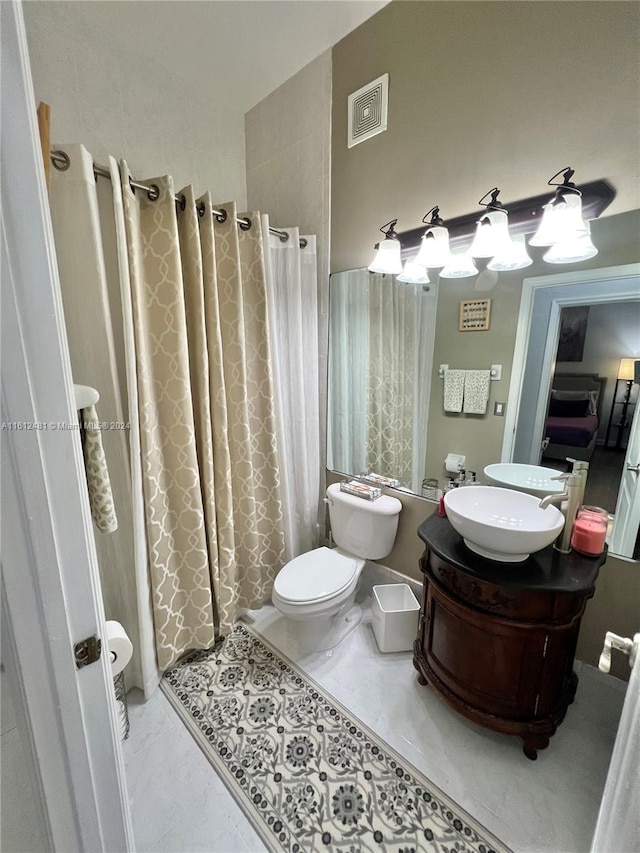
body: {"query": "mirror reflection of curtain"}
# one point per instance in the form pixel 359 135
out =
pixel 390 385
pixel 348 369
pixel 380 354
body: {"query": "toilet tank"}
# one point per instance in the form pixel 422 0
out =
pixel 363 528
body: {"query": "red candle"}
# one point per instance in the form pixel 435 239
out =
pixel 589 533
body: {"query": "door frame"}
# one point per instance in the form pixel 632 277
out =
pixel 51 587
pixel 536 343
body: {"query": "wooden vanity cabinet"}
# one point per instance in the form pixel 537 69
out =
pixel 497 641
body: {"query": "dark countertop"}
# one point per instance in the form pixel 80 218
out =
pixel 546 570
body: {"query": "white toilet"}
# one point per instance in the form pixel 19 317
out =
pixel 319 587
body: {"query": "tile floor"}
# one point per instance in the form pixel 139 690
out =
pixel 179 803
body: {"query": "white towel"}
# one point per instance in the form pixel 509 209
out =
pixel 453 390
pixel 100 497
pixel 476 391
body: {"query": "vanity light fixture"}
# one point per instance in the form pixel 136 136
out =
pixel 492 231
pixel 570 242
pixel 414 273
pixel 573 250
pixel 461 265
pixel 562 218
pixel 434 247
pixel 387 260
pixel 513 257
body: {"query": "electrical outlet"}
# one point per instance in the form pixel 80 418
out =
pixel 498 409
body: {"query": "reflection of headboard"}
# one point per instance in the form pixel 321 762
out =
pixel 579 448
pixel 581 382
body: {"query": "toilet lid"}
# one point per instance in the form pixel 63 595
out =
pixel 315 576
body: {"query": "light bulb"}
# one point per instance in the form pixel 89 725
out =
pixel 572 250
pixel 387 260
pixel 434 249
pixel 414 273
pixel 461 265
pixel 492 235
pixel 561 221
pixel 512 257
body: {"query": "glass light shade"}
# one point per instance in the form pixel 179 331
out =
pixel 627 368
pixel 572 250
pixel 460 266
pixel 512 257
pixel 387 260
pixel 561 221
pixel 434 250
pixel 492 235
pixel 414 273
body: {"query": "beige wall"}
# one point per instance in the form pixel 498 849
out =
pixel 122 103
pixel 614 607
pixel 482 93
pixel 288 138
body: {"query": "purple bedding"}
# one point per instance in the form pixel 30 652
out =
pixel 575 431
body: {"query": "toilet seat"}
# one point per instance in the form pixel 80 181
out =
pixel 316 576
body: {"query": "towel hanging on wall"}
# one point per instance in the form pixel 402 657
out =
pixel 476 391
pixel 100 496
pixel 453 390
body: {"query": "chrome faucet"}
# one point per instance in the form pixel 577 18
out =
pixel 582 468
pixel 569 500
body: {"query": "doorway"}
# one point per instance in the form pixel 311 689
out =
pixel 536 347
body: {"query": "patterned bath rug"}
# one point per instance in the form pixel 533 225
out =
pixel 306 772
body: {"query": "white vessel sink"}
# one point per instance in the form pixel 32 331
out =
pixel 502 524
pixel 532 479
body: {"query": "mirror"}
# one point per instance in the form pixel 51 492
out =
pixel 381 338
pixel 387 341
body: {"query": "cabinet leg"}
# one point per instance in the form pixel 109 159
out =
pixel 532 743
pixel 573 686
pixel 422 679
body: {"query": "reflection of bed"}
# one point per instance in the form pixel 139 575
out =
pixel 574 415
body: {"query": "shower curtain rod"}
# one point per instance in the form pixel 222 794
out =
pixel 61 161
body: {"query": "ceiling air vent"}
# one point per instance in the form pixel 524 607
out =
pixel 368 111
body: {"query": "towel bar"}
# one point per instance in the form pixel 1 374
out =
pixel 495 370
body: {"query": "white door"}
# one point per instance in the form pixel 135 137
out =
pixel 50 584
pixel 627 516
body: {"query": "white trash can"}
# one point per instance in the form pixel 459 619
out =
pixel 394 615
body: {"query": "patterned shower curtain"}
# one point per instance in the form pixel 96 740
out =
pixel 214 521
pixel 390 387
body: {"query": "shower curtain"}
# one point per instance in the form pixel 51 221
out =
pixel 292 289
pixel 84 226
pixel 204 488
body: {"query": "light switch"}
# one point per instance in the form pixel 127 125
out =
pixel 498 409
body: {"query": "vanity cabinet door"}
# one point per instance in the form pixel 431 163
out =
pixel 489 664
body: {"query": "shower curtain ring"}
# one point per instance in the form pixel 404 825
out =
pixel 245 223
pixel 60 160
